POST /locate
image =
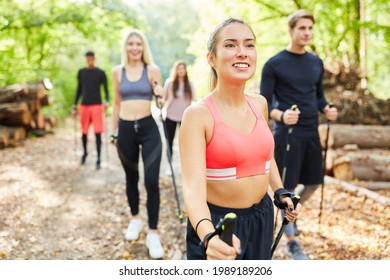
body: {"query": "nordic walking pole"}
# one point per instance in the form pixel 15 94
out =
pixel 159 105
pixel 290 131
pixel 74 113
pixel 295 200
pixel 324 166
pixel 228 225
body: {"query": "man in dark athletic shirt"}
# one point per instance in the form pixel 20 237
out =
pixel 91 110
pixel 294 76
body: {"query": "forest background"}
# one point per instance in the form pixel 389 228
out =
pixel 48 38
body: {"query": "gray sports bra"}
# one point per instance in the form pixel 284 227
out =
pixel 140 89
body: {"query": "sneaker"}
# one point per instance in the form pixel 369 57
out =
pixel 153 243
pixel 83 159
pixel 295 252
pixel 133 230
pixel 168 171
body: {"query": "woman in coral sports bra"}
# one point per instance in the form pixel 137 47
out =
pixel 226 151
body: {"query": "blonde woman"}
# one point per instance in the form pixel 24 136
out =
pixel 135 82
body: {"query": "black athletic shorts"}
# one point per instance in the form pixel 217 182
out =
pixel 303 162
pixel 254 228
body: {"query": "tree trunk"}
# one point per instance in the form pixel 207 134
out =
pixel 45 100
pixel 34 90
pixel 4 138
pixel 12 93
pixel 39 120
pixel 363 46
pixel 365 136
pixel 330 158
pixel 15 114
pixel 16 133
pixel 363 165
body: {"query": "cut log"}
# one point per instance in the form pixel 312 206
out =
pixel 365 136
pixel 39 120
pixel 44 101
pixel 342 169
pixel 370 165
pixel 4 138
pixel 36 91
pixel 48 126
pixel 20 111
pixel 12 93
pixel 51 120
pixel 32 91
pixel 16 133
pixel 34 105
pixel 16 113
pixel 359 190
pixel 50 123
pixel 330 158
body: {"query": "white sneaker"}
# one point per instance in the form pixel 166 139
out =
pixel 153 243
pixel 168 171
pixel 133 230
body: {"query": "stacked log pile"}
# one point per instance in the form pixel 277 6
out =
pixel 359 153
pixel 21 111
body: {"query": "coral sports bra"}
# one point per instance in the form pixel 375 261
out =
pixel 231 154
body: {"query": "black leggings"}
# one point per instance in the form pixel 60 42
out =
pixel 84 140
pixel 132 135
pixel 171 130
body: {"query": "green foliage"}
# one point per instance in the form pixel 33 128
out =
pixel 170 24
pixel 48 38
pixel 336 34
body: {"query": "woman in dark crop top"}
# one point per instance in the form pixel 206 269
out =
pixel 134 128
pixel 226 151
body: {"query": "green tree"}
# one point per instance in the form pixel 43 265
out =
pixel 169 27
pixel 337 36
pixel 48 38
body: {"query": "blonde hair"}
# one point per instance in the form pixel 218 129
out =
pixel 212 44
pixel 297 15
pixel 147 57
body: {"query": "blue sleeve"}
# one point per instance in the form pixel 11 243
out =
pixel 321 101
pixel 79 87
pixel 267 85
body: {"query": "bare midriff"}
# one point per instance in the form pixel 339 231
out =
pixel 239 193
pixel 134 109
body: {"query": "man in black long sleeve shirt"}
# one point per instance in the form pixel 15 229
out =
pixel 91 110
pixel 294 76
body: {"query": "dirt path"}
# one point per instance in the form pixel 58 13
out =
pixel 51 208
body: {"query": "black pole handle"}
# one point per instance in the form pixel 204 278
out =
pixel 158 98
pixel 290 127
pixel 295 200
pixel 228 226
